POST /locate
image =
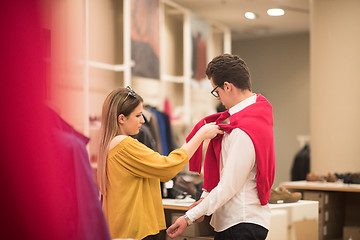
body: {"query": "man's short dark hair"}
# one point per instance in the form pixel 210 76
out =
pixel 229 68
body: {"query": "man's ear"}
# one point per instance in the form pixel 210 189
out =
pixel 227 86
pixel 121 118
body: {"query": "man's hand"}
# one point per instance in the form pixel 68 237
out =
pixel 193 205
pixel 177 228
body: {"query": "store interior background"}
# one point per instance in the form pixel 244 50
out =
pixel 310 77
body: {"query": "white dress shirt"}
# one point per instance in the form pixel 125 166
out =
pixel 235 198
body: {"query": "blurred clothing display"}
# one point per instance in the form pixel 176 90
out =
pixel 301 164
pixel 49 190
pixel 83 211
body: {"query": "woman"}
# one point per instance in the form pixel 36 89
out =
pixel 129 173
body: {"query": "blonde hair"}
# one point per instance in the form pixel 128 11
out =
pixel 119 101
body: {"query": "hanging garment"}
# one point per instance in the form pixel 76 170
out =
pixel 145 136
pixel 82 209
pixel 301 164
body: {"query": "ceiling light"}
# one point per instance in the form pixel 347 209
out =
pixel 275 12
pixel 250 15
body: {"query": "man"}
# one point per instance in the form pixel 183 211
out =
pixel 239 166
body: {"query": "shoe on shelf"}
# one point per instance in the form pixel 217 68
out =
pixel 282 195
pixel 183 186
pixel 312 177
pixel 331 177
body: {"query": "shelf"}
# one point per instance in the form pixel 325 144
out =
pixel 322 186
pixel 174 79
pixel 105 66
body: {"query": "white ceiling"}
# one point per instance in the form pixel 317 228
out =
pixel 231 14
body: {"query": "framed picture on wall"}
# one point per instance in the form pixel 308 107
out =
pixel 199 37
pixel 145 37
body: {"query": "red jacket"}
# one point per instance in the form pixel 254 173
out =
pixel 256 121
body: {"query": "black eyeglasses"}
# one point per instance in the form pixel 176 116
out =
pixel 214 92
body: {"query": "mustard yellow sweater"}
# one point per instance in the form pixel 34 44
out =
pixel 133 205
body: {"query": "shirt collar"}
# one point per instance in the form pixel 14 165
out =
pixel 243 104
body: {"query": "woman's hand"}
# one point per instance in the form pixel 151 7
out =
pixel 209 131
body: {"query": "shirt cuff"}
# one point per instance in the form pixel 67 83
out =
pixel 190 214
pixel 204 194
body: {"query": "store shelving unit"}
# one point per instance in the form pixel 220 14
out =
pixel 103 60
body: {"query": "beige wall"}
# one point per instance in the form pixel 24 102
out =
pixel 280 71
pixel 335 86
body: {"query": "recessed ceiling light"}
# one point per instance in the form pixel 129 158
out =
pixel 275 12
pixel 250 15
